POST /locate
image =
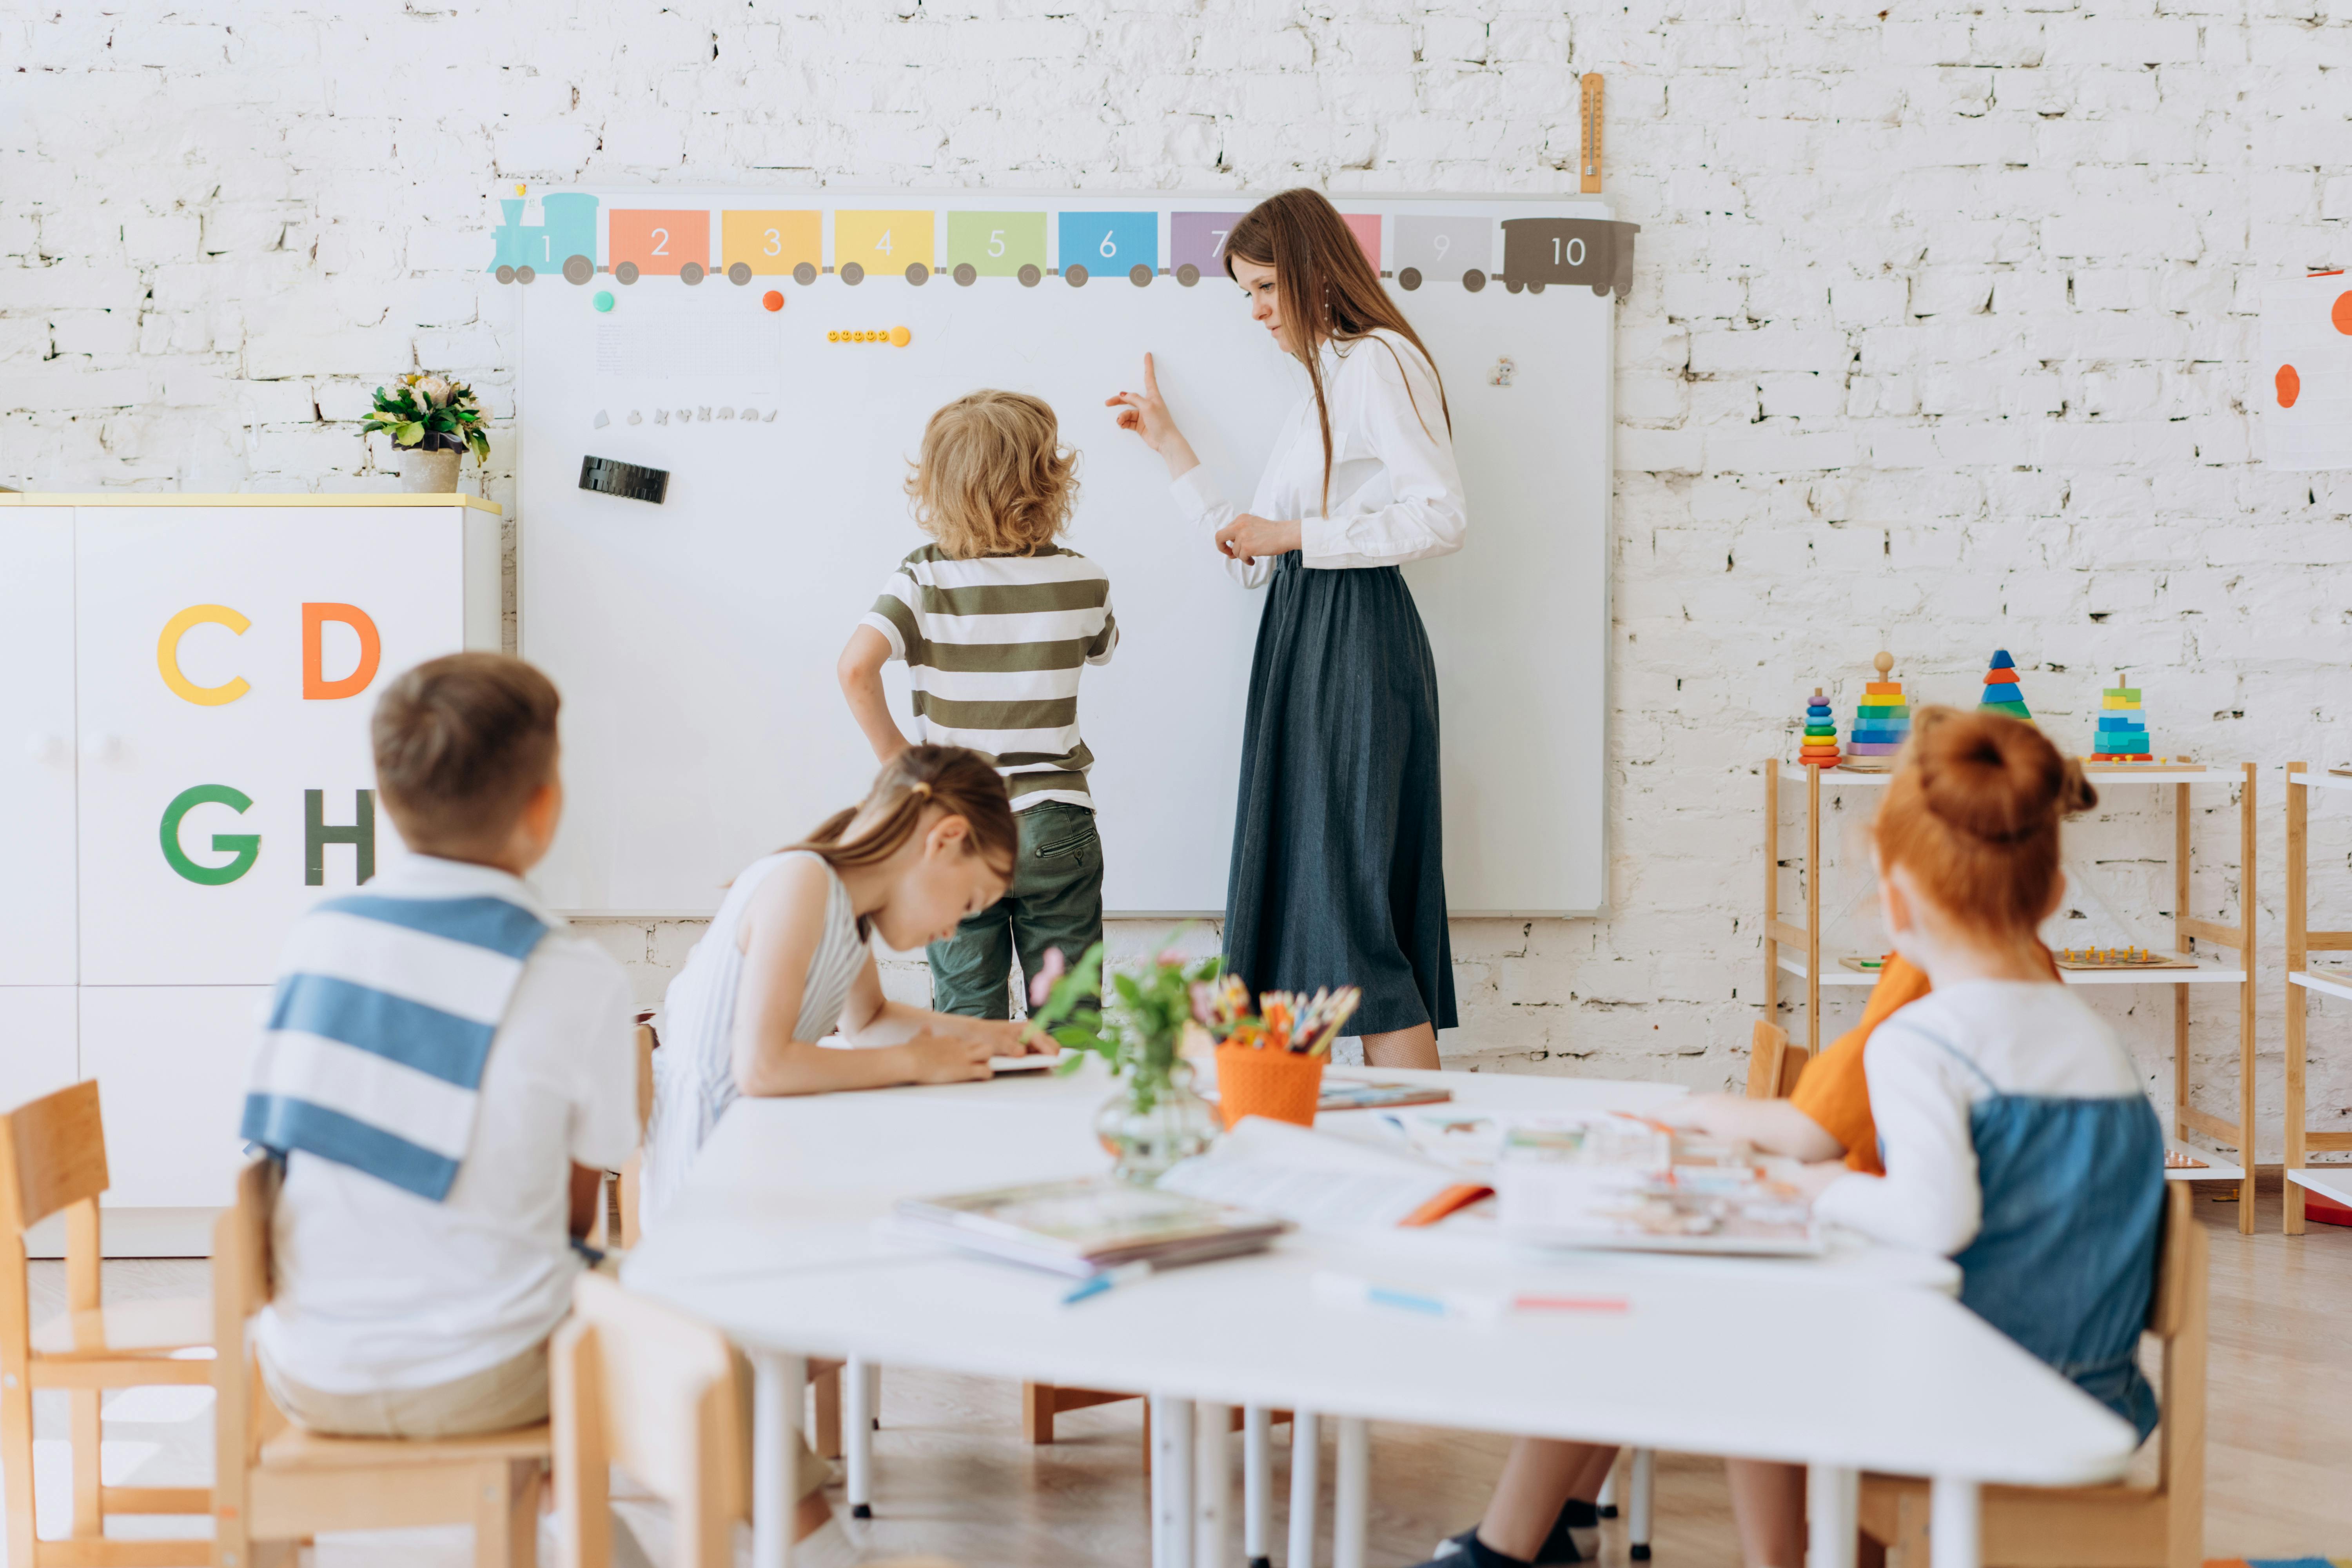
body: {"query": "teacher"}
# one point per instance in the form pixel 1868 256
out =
pixel 1339 869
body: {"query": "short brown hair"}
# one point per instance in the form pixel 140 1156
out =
pixel 1972 812
pixel 993 478
pixel 462 743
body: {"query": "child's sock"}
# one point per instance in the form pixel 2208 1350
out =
pixel 1561 1545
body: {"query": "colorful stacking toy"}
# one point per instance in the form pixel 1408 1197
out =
pixel 2122 734
pixel 1882 720
pixel 1820 748
pixel 2001 692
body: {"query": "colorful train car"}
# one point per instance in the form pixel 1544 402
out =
pixel 565 239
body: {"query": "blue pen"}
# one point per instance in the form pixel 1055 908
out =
pixel 1124 1274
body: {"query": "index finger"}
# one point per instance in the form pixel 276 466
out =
pixel 1150 381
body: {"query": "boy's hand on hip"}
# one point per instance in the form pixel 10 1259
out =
pixel 951 1058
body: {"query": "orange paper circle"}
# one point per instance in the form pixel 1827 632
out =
pixel 2342 313
pixel 2290 385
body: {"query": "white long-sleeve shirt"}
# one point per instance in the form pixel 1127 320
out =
pixel 2029 1037
pixel 1396 493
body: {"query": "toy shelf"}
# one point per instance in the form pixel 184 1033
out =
pixel 1795 950
pixel 2303 1140
pixel 2205 973
pixel 2216 1169
pixel 2333 1182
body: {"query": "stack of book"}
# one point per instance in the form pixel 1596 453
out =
pixel 1088 1227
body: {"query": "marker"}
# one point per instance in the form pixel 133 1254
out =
pixel 1124 1274
pixel 1347 1291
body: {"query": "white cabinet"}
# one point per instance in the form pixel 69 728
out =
pixel 39 1055
pixel 183 747
pixel 228 659
pixel 37 746
pixel 171 1062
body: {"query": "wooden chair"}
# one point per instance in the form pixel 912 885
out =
pixel 626 1182
pixel 277 1485
pixel 825 1376
pixel 2117 1526
pixel 53 1157
pixel 643 1386
pixel 1773 1064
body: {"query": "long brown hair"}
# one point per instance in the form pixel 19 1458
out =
pixel 961 783
pixel 1973 812
pixel 1329 290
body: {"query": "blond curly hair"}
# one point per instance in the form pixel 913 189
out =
pixel 993 478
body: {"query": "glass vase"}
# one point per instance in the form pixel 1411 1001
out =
pixel 1151 1122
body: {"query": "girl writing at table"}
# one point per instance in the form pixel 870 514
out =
pixel 785 962
pixel 2011 1132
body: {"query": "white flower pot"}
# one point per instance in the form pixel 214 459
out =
pixel 432 473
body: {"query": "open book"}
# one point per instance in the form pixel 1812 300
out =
pixel 1611 1180
pixel 1319 1181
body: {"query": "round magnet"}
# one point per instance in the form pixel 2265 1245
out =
pixel 604 300
pixel 772 300
pixel 901 337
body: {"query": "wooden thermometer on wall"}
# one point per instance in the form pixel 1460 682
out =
pixel 1589 164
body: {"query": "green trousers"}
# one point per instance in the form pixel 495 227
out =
pixel 1056 901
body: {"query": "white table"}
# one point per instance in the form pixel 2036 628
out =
pixel 1841 1365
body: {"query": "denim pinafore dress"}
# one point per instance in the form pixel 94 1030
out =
pixel 2073 1211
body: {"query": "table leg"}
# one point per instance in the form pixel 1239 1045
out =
pixel 1156 1430
pixel 1171 1482
pixel 1306 1488
pixel 1257 1479
pixel 1641 1481
pixel 1213 1482
pixel 779 1388
pixel 1832 1514
pixel 857 1442
pixel 1351 1501
pixel 1953 1521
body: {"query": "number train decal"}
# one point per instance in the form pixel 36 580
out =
pixel 1028 245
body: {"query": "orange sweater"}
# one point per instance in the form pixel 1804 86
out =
pixel 1832 1090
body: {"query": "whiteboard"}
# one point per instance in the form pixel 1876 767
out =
pixel 694 640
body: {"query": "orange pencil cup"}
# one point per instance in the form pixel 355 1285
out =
pixel 1283 1086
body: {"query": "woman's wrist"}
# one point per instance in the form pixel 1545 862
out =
pixel 1178 454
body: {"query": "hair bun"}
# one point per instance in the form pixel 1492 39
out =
pixel 1994 777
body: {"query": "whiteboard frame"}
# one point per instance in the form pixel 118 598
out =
pixel 1601 208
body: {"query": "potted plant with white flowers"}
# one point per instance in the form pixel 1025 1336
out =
pixel 433 422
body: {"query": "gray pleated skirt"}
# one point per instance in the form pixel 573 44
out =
pixel 1339 870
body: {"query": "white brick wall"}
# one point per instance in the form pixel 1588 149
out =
pixel 1939 338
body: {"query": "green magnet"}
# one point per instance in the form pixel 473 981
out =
pixel 603 299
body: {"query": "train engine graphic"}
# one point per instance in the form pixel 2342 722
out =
pixel 565 239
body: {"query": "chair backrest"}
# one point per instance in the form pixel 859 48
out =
pixel 52 1154
pixel 243 1416
pixel 2177 1316
pixel 1773 1063
pixel 643 1386
pixel 647 1043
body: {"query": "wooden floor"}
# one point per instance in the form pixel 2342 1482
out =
pixel 952 1475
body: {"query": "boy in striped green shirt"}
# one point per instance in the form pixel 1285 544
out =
pixel 995 621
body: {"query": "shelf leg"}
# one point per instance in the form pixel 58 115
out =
pixel 2298 921
pixel 2247 1106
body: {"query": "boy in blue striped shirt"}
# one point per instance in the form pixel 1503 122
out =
pixel 446 1073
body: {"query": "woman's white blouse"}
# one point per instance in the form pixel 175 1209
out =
pixel 1396 493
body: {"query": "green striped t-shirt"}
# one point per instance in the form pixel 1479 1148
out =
pixel 994 646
